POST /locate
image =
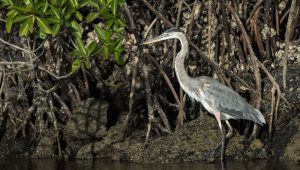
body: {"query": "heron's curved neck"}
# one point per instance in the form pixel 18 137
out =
pixel 181 73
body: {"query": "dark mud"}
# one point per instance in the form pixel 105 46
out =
pixel 193 142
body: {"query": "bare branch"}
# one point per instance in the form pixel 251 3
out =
pixel 287 39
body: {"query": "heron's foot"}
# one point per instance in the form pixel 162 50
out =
pixel 211 156
pixel 248 141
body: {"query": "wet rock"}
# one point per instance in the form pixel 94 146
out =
pixel 88 123
pixel 291 93
pixel 103 148
pixel 286 144
pixel 256 150
pixel 18 148
pixel 45 148
pixel 286 129
pixel 193 142
pixel 292 150
pixel 89 120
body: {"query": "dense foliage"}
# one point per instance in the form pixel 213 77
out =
pixel 52 17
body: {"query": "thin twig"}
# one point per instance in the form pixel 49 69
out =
pixel 149 28
pixel 256 7
pixel 64 108
pixel 226 26
pixel 149 100
pixel 54 75
pixel 54 121
pixel 192 20
pixel 209 27
pixel 2 81
pixel 165 101
pixel 132 92
pixel 268 28
pixel 136 61
pixel 258 97
pixel 161 113
pixel 24 121
pixel 256 30
pixel 15 46
pixel 159 15
pixel 283 17
pixel 287 40
pixel 277 19
pixel 163 73
pixel 132 26
pixel 57 77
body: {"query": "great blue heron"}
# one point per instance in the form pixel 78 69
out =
pixel 218 99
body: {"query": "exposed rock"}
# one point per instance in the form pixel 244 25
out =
pixel 45 148
pixel 20 148
pixel 88 123
pixel 89 120
pixel 292 150
pixel 285 143
pixel 191 143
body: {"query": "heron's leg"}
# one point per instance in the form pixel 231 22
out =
pixel 228 135
pixel 218 117
pixel 230 130
pixel 211 155
pixel 253 134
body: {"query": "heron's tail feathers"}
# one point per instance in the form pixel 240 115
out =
pixel 260 118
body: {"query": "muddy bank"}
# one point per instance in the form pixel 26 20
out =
pixel 193 142
pixel 286 143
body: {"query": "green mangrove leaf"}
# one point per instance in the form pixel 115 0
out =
pixel 118 58
pixel 76 65
pixel 100 33
pixel 114 7
pixel 43 25
pixel 93 48
pixel 55 29
pixel 92 16
pixel 105 52
pixel 87 64
pixel 78 15
pixel 80 45
pixel 24 28
pixel 10 19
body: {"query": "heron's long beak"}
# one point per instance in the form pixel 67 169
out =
pixel 152 40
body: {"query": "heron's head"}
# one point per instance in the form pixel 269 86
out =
pixel 169 34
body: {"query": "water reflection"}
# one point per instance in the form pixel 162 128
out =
pixel 53 164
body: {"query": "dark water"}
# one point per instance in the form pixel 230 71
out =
pixel 52 164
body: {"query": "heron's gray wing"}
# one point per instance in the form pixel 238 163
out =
pixel 230 102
